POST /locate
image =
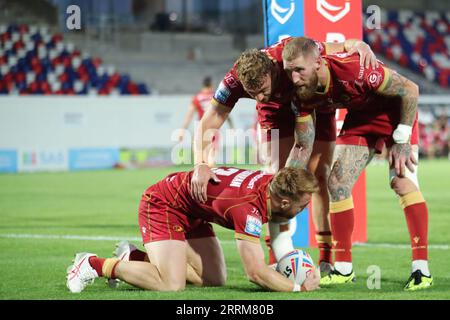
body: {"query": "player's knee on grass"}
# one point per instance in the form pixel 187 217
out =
pixel 173 287
pixel 402 186
pixel 171 284
pixel 216 280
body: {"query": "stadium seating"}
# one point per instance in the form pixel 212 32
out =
pixel 33 61
pixel 419 41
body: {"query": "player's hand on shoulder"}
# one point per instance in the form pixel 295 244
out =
pixel 199 182
pixel 366 56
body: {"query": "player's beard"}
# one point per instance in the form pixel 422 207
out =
pixel 306 92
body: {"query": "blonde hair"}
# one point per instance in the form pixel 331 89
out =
pixel 293 182
pixel 251 66
pixel 299 46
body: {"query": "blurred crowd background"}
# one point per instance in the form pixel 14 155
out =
pixel 167 47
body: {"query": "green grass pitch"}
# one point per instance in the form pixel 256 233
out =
pixel 104 203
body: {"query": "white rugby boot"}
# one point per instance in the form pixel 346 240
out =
pixel 80 273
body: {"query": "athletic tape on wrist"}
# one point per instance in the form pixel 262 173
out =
pixel 402 134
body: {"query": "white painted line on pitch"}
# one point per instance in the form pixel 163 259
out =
pixel 67 237
pixel 109 238
pixel 399 246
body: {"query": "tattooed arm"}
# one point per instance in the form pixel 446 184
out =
pixel 398 86
pixel 304 141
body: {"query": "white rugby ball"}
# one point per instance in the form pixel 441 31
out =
pixel 296 265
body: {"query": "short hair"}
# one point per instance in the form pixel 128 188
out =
pixel 207 82
pixel 299 46
pixel 293 182
pixel 251 66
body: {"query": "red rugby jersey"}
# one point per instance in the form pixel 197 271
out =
pixel 202 100
pixel 239 202
pixel 230 89
pixel 351 86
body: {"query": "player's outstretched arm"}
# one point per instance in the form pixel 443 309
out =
pixel 398 86
pixel 252 256
pixel 212 120
pixel 187 120
pixel 304 141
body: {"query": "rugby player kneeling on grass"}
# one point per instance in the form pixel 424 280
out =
pixel 181 246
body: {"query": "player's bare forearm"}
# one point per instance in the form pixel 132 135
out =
pixel 189 116
pixel 252 256
pixel 271 280
pixel 212 120
pixel 347 45
pixel 304 141
pixel 408 91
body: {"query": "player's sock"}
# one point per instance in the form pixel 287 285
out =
pixel 323 239
pixel 416 213
pixel 342 222
pixel 344 268
pixel 421 265
pixel 104 267
pixel 138 255
pixel 272 258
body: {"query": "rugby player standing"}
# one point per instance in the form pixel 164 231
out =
pixel 382 110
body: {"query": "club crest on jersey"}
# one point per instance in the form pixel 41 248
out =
pixel 253 226
pixel 222 93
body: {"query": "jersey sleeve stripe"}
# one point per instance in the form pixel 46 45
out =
pixel 216 103
pixel 304 118
pixel 387 77
pixel 245 237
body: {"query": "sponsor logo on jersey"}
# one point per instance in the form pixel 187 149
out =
pixel 178 228
pixel 231 81
pixel 222 93
pixel 336 14
pixel 374 78
pixel 253 226
pixel 361 72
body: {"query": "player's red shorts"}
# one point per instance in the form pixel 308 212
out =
pixel 373 128
pixel 326 126
pixel 273 117
pixel 159 221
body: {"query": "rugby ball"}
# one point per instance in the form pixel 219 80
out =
pixel 295 266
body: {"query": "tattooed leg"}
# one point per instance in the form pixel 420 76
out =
pixel 349 162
